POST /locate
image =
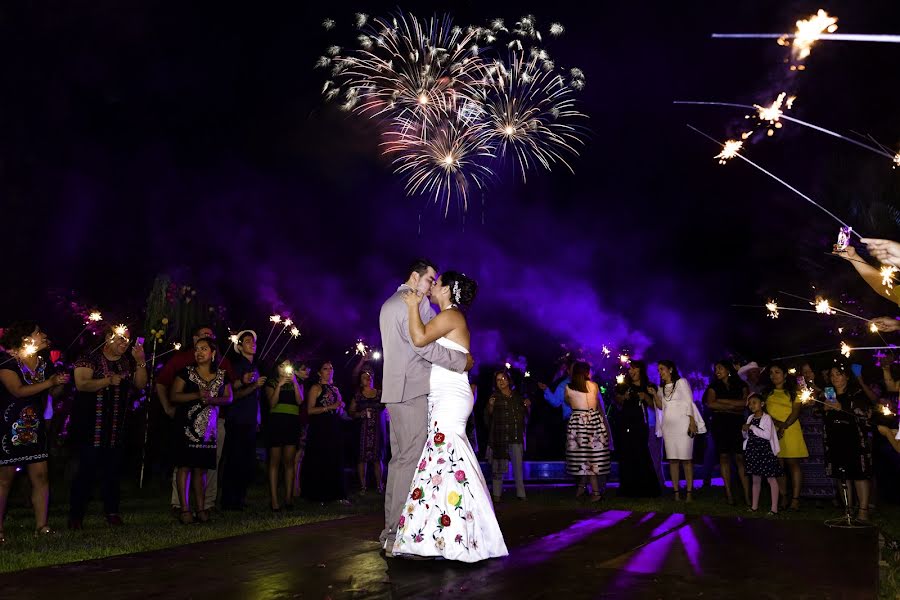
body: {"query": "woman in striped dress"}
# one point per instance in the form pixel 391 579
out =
pixel 587 439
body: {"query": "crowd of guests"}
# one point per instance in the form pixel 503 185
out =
pixel 219 401
pixel 752 418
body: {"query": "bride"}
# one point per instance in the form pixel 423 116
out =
pixel 448 512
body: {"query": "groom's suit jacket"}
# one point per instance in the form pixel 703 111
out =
pixel 407 369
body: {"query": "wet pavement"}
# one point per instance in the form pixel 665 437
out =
pixel 554 553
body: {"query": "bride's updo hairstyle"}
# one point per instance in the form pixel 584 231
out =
pixel 462 288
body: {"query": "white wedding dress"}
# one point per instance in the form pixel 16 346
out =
pixel 448 512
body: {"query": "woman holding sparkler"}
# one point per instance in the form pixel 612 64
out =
pixel 637 473
pixel 198 392
pixel 726 398
pixel 784 407
pixel 284 396
pixel 679 424
pixel 323 463
pixel 26 379
pixel 848 440
pixel 367 407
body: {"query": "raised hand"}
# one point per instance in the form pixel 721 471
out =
pixel 886 323
pixel 887 251
pixel 412 298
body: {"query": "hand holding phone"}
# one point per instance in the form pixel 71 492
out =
pixel 830 394
pixel 857 370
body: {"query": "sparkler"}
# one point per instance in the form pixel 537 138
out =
pixel 886 410
pixel 779 180
pixel 823 307
pixel 887 276
pixel 729 151
pixel 275 320
pixel 175 348
pixel 295 333
pixel 846 349
pixel 895 158
pixel 377 356
pixel 93 317
pixel 620 379
pixel 285 324
pixel 772 307
pixel 624 359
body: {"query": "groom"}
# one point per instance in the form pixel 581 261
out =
pixel 405 387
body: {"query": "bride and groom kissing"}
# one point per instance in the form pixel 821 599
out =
pixel 436 499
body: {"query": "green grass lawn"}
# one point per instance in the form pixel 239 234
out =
pixel 151 526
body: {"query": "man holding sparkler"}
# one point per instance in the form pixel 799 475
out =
pixel 241 423
pixel 405 387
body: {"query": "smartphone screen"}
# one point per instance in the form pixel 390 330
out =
pixel 801 383
pixel 830 394
pixel 140 341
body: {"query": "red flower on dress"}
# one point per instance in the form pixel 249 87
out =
pixel 417 494
pixel 439 438
pixel 445 520
pixel 460 475
pixel 402 522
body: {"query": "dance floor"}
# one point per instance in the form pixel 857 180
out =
pixel 555 552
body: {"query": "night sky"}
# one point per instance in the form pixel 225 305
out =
pixel 146 137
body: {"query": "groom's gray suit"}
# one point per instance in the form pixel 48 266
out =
pixel 405 387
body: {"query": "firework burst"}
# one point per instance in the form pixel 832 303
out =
pixel 450 105
pixel 531 112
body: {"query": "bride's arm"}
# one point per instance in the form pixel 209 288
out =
pixel 422 334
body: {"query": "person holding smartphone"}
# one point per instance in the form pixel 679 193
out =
pixel 105 382
pixel 848 445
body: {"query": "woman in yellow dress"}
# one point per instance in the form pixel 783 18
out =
pixel 784 408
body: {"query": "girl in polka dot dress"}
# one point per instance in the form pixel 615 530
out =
pixel 760 451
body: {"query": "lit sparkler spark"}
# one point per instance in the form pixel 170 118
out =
pixel 95 316
pixel 377 356
pixel 887 276
pixel 772 113
pixel 624 358
pixel 886 410
pixel 275 318
pixel 823 307
pixel 731 149
pixel 620 379
pixel 808 31
pixel 846 349
pixel 805 396
pixel 177 345
pixel 792 371
pixel 527 373
pixel 897 160
pixel 30 348
pixel 873 328
pixel 233 339
pixel 120 330
pixel 606 351
pixel 288 370
pixel 772 307
pixel 508 365
pixel 295 333
pixel 360 348
pixel 288 323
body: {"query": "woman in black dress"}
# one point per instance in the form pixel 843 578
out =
pixel 198 392
pixel 323 462
pixel 848 438
pixel 367 407
pixel 284 396
pixel 726 399
pixel 637 474
pixel 26 379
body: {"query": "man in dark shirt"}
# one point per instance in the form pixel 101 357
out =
pixel 242 423
pixel 164 381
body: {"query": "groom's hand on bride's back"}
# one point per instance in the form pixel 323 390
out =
pixel 470 362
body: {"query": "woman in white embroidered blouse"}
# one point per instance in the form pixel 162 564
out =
pixel 679 426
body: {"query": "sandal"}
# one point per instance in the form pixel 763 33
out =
pixel 186 517
pixel 751 509
pixel 771 513
pixel 795 504
pixel 203 515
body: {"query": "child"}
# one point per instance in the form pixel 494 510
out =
pixel 760 451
